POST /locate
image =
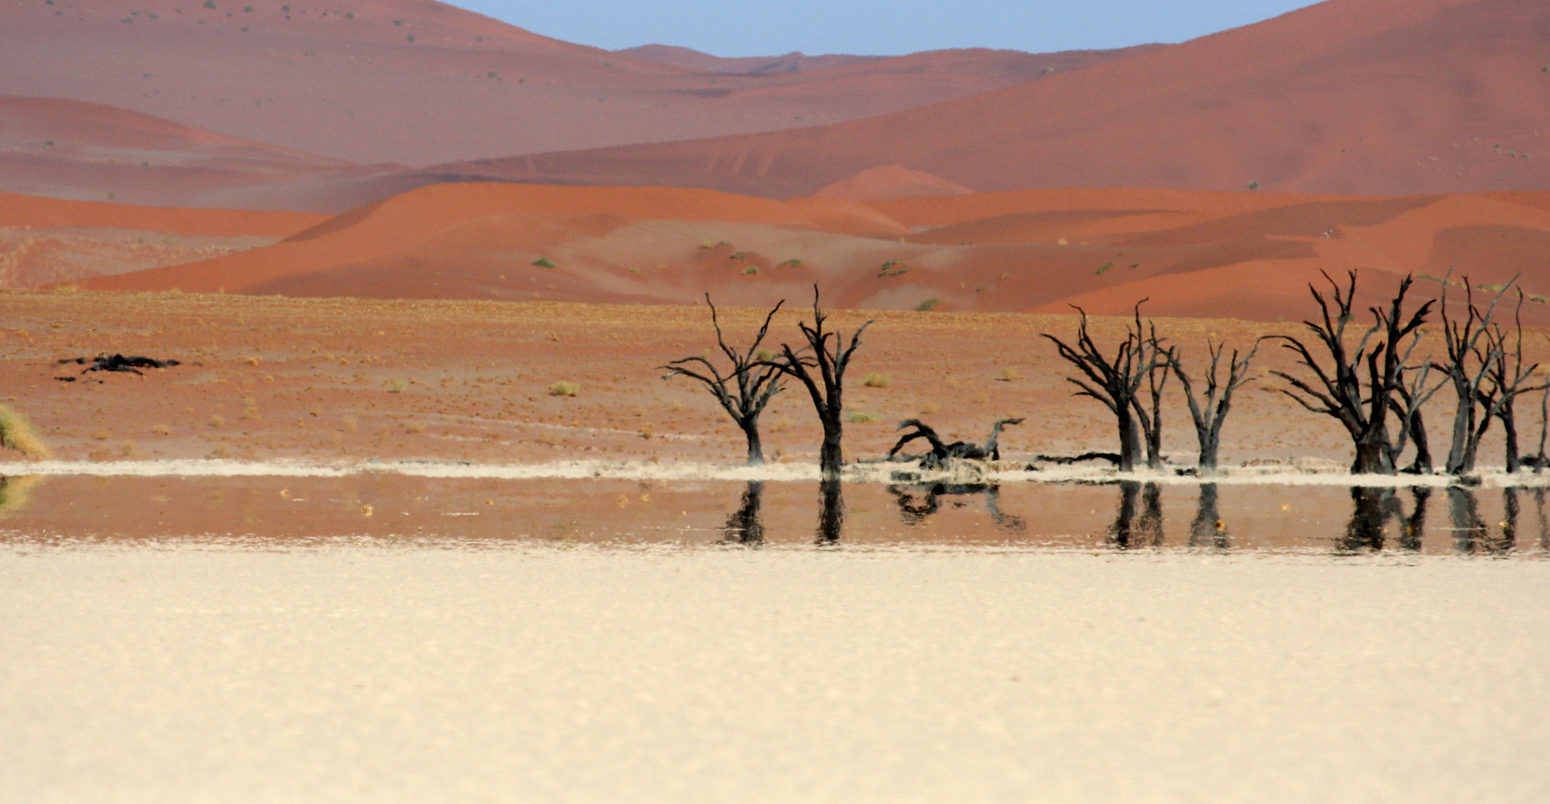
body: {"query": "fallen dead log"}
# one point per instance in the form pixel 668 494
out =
pixel 118 362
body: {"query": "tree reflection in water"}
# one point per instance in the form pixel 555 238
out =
pixel 831 514
pixel 745 526
pixel 1130 530
pixel 1208 529
pixel 921 500
pixel 1372 508
pixel 1469 530
pixel 1471 534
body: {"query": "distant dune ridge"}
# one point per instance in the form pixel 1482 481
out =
pixel 1348 96
pixel 1216 177
pixel 417 82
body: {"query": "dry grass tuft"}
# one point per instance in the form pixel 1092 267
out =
pixel 563 388
pixel 877 381
pixel 16 434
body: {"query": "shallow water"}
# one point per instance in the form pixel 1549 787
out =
pixel 293 510
pixel 409 636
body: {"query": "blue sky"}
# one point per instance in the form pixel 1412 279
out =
pixel 876 28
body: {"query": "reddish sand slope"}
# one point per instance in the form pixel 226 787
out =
pixel 83 151
pixel 1348 96
pixel 45 241
pixel 1242 254
pixel 418 82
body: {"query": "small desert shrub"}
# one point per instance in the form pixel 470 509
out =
pixel 544 262
pixel 16 433
pixel 877 381
pixel 1007 374
pixel 791 263
pixel 752 269
pixel 396 386
pixel 861 418
pixel 927 306
pixel 563 388
pixel 217 420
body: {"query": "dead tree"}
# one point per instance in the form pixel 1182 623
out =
pixel 1466 369
pixel 941 452
pixel 1150 417
pixel 1113 381
pixel 1509 378
pixel 743 390
pixel 1210 409
pixel 1360 387
pixel 820 367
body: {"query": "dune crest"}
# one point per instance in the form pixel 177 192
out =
pixel 1245 255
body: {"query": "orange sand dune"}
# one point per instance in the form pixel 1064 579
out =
pixel 1347 96
pixel 1248 255
pixel 47 241
pixel 31 212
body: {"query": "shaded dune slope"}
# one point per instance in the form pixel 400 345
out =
pixel 1348 96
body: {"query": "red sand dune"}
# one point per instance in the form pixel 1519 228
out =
pixel 418 82
pixel 31 212
pixel 1348 96
pixel 1241 254
pixel 48 241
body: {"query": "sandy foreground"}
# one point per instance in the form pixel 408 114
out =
pixel 532 673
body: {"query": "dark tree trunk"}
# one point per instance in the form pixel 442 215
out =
pixel 1510 428
pixel 1129 441
pixel 1372 455
pixel 1422 465
pixel 1208 451
pixel 755 444
pixel 831 455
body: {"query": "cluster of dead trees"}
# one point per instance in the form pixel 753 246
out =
pixel 1370 379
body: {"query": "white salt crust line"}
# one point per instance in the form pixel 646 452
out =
pixel 645 470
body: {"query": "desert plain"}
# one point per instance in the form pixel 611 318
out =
pixel 411 508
